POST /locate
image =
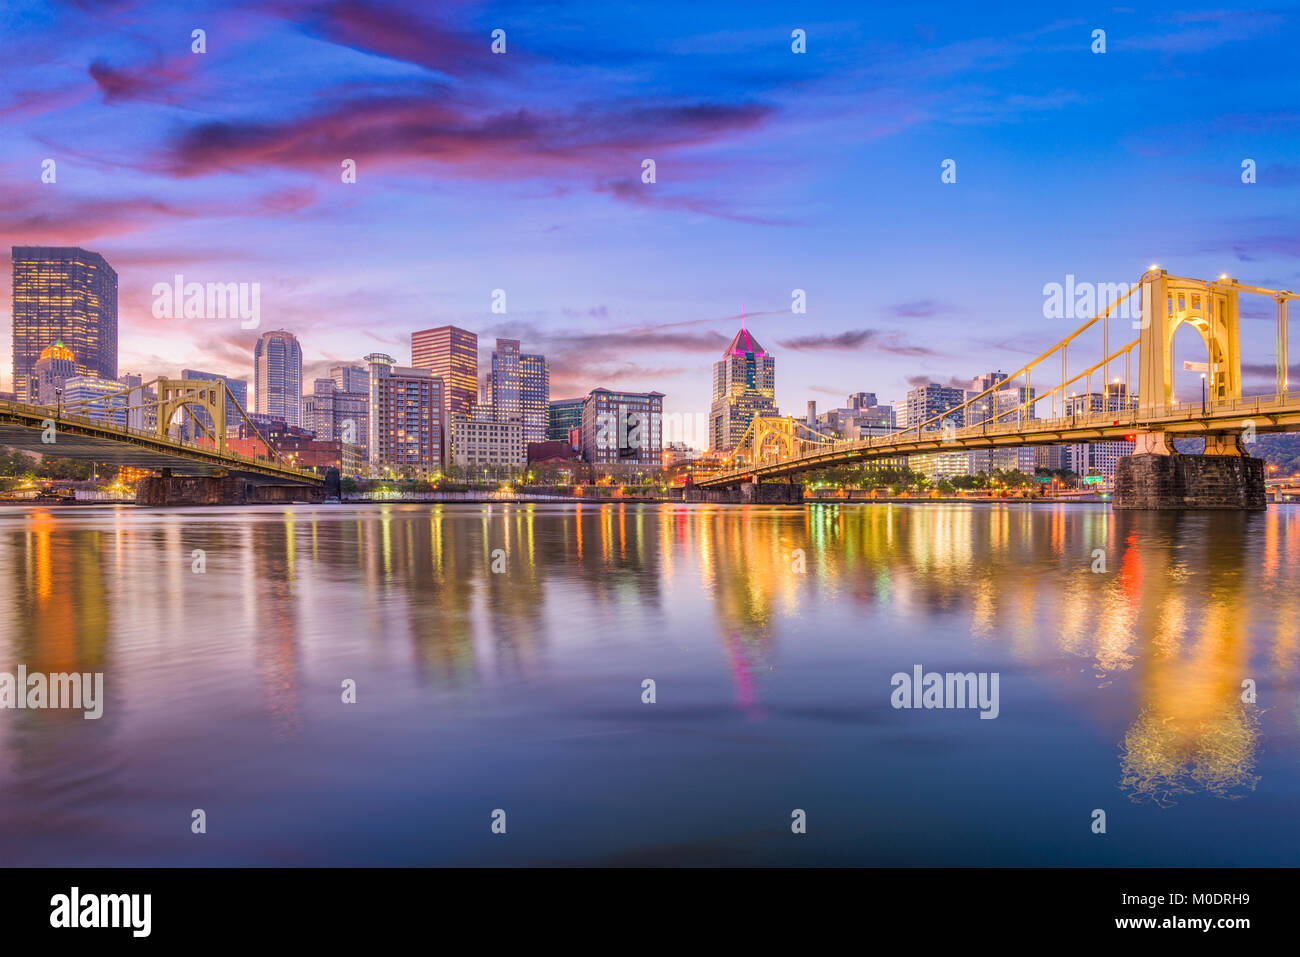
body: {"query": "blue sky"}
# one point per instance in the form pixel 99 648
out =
pixel 775 171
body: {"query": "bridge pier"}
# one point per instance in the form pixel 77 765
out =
pixel 1224 477
pixel 747 493
pixel 172 490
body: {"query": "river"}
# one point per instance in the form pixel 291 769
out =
pixel 500 654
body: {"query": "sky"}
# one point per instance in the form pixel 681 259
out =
pixel 774 171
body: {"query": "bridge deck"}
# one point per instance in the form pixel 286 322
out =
pixel 1271 413
pixel 79 437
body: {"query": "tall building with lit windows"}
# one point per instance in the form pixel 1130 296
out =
pixel 521 385
pixel 744 386
pixel 277 371
pixel 405 422
pixel 451 354
pixel 63 294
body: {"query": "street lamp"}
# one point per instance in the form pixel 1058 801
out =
pixel 1203 387
pixel 58 403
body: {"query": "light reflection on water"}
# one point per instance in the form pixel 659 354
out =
pixel 1120 690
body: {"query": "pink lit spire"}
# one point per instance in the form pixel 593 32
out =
pixel 744 344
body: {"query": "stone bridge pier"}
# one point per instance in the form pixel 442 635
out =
pixel 1156 476
pixel 747 493
pixel 171 490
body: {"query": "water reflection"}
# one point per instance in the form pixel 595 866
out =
pixel 462 600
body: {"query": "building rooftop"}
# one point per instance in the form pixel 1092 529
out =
pixel 744 344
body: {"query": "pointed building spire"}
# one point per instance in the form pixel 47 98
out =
pixel 743 343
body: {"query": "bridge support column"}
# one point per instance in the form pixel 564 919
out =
pixel 1224 443
pixel 173 490
pixel 1213 481
pixel 771 493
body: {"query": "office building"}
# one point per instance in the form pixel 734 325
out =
pixel 451 354
pixel 277 374
pixel 104 400
pixel 927 401
pixel 333 413
pixel 744 386
pixel 481 442
pixel 521 385
pixel 860 418
pixel 562 416
pixel 1100 458
pixel 63 294
pixel 623 428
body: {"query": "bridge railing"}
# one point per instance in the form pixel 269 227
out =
pixel 1130 417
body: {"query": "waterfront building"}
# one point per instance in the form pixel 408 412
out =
pixel 623 428
pixel 940 465
pixel 62 294
pixel 405 422
pixel 480 441
pixel 277 374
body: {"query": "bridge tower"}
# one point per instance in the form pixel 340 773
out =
pixel 1156 475
pixel 175 394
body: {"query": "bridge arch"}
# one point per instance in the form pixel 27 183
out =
pixel 177 394
pixel 1210 308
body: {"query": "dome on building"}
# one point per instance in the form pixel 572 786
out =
pixel 57 351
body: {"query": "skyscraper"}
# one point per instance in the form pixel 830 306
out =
pixel 277 374
pixel 451 354
pixel 744 385
pixel 521 385
pixel 63 294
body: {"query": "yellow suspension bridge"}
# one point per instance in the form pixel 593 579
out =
pixel 1135 382
pixel 98 430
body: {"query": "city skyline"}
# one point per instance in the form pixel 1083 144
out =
pixel 165 158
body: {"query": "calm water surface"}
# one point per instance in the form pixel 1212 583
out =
pixel 522 690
